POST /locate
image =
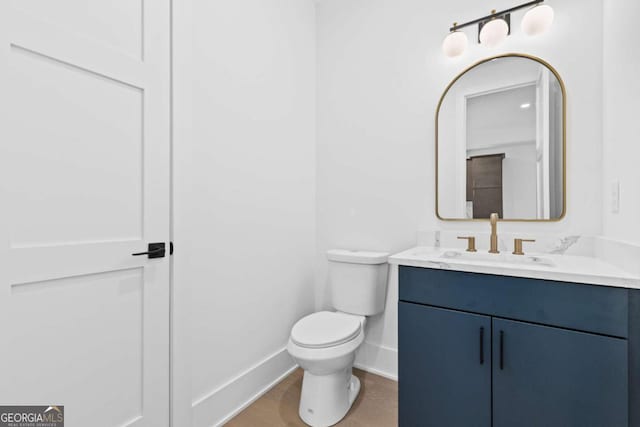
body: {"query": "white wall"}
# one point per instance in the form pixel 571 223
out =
pixel 621 118
pixel 244 192
pixel 380 75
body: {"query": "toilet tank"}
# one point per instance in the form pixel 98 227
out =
pixel 358 281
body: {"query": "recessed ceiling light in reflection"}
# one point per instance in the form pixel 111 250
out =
pixel 525 105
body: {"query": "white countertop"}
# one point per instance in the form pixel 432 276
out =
pixel 564 268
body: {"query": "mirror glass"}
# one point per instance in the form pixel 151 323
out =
pixel 501 142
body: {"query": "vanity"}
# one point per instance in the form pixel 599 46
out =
pixel 478 349
pixel 551 340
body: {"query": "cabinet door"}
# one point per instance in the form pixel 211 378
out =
pixel 444 367
pixel 544 376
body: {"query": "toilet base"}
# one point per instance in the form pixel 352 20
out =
pixel 326 399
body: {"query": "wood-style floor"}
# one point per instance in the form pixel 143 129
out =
pixel 376 405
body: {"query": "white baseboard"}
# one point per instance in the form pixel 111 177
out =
pixel 377 359
pixel 231 398
pixel 228 400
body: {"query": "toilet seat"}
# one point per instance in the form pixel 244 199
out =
pixel 326 329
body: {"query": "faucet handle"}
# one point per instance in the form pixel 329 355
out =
pixel 471 243
pixel 517 245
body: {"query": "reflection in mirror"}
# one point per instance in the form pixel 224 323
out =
pixel 500 142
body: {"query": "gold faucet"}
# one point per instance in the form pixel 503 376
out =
pixel 471 243
pixel 517 246
pixel 493 219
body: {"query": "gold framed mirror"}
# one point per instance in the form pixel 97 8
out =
pixel 501 142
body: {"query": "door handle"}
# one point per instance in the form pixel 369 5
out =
pixel 482 346
pixel 155 250
pixel 501 350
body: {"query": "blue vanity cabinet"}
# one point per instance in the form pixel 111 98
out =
pixel 444 367
pixel 545 376
pixel 561 354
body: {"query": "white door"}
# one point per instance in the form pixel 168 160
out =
pixel 84 183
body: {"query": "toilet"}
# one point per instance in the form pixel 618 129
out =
pixel 324 344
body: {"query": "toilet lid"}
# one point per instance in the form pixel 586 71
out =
pixel 325 329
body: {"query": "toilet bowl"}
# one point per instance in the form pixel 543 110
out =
pixel 324 344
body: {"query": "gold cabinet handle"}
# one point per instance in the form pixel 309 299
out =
pixel 517 245
pixel 471 243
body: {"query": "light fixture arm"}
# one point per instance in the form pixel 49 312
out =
pixel 493 15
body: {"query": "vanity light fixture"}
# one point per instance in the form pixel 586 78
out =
pixel 537 20
pixel 494 28
pixel 494 31
pixel 455 43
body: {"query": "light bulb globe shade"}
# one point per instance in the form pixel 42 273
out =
pixel 537 20
pixel 455 44
pixel 494 32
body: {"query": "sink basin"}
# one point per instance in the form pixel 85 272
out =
pixel 425 251
pixel 500 258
